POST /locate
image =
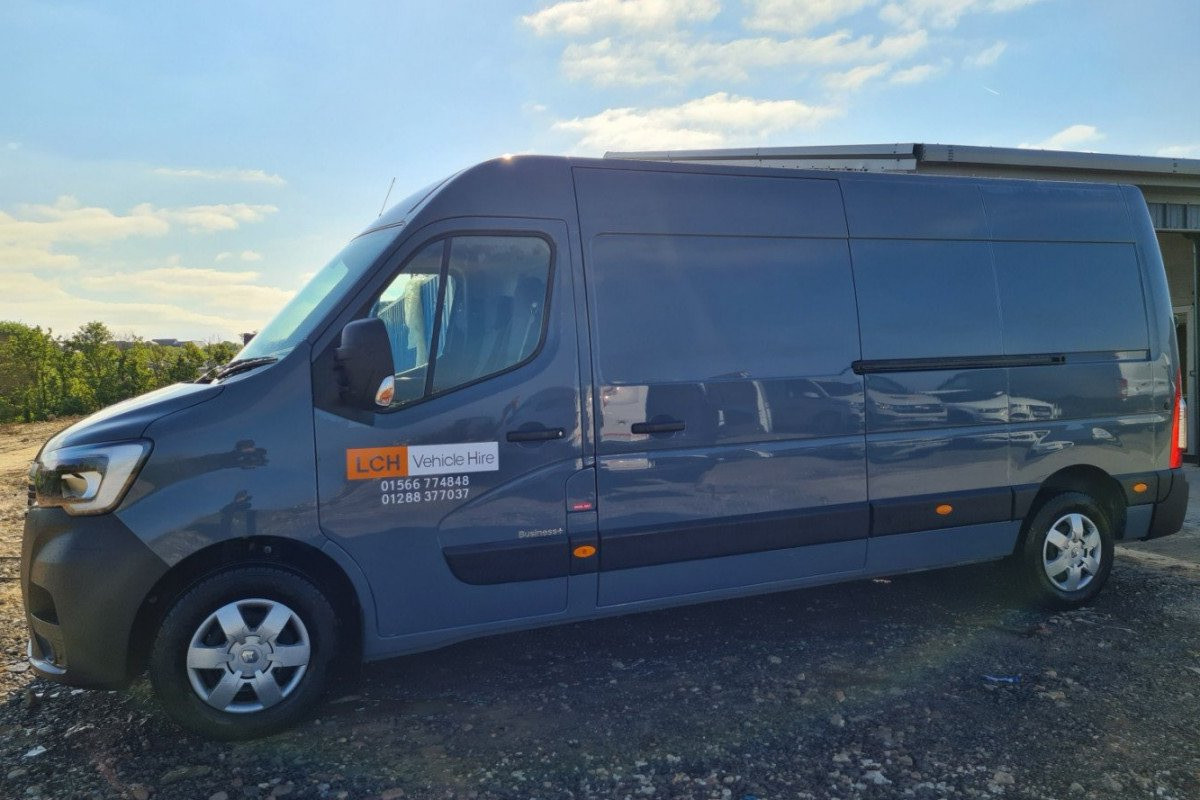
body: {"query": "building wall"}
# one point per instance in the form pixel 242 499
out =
pixel 1177 256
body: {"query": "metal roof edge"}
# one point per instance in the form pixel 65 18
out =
pixel 1057 159
pixel 908 149
pixel 937 154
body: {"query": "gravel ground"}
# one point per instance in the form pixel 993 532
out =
pixel 924 686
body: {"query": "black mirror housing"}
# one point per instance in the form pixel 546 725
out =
pixel 363 361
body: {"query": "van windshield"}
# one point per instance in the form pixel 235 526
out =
pixel 295 320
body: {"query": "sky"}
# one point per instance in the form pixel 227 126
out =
pixel 179 169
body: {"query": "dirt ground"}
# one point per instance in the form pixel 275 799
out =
pixel 18 446
pixel 926 686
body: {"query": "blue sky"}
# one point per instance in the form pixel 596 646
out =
pixel 178 169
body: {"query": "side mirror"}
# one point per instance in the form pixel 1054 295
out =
pixel 364 364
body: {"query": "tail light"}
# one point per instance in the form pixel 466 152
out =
pixel 1179 429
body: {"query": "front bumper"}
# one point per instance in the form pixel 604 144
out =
pixel 1172 503
pixel 83 580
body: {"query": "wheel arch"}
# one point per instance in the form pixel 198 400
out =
pixel 1085 478
pixel 297 557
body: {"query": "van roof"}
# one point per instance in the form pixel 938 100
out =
pixel 538 186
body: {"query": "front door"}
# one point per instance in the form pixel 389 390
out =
pixel 451 498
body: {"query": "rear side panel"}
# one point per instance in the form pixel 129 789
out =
pixel 1070 283
pixel 1163 344
pixel 1005 336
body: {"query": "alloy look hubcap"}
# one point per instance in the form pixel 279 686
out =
pixel 248 655
pixel 1072 552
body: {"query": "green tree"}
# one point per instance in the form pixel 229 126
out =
pixel 219 353
pixel 26 373
pixel 43 376
pixel 98 359
pixel 190 363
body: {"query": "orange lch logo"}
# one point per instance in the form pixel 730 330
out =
pixel 376 462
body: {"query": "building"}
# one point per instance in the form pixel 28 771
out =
pixel 1171 187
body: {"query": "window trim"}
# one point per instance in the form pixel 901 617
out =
pixel 551 274
pixel 435 338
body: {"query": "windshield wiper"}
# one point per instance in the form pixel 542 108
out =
pixel 236 366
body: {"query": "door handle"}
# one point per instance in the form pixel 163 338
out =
pixel 669 426
pixel 536 435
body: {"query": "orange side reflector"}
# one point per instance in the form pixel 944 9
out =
pixel 944 509
pixel 584 551
pixel 1140 487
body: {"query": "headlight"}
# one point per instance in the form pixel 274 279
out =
pixel 89 479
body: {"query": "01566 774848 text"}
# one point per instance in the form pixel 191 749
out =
pixel 427 489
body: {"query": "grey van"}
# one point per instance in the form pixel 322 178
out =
pixel 552 389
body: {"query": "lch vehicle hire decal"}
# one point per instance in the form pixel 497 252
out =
pixel 365 463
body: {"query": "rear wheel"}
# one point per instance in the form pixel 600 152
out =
pixel 245 653
pixel 1067 552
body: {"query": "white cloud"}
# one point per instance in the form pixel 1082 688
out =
pixel 1000 6
pixel 66 220
pixel 21 256
pixel 917 74
pixel 231 175
pixel 853 79
pixel 584 17
pixel 245 255
pixel 911 14
pixel 38 300
pixel 27 240
pixel 987 56
pixel 220 217
pixel 1180 151
pixel 711 121
pixel 1069 138
pixel 12 146
pixel 798 16
pixel 212 289
pixel 675 61
pixel 30 238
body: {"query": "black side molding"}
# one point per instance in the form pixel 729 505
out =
pixel 1148 483
pixel 663 544
pixel 509 562
pixel 1023 497
pixel 944 510
pixel 1169 514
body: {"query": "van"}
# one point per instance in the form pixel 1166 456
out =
pixel 552 389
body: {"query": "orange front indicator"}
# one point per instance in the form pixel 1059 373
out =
pixel 944 509
pixel 584 551
pixel 1140 487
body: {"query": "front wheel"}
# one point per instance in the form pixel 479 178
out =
pixel 244 653
pixel 1067 554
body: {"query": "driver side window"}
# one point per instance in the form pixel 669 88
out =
pixel 463 309
pixel 408 307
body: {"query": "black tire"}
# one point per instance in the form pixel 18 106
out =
pixel 249 591
pixel 1039 555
